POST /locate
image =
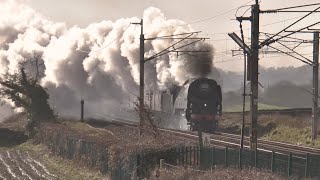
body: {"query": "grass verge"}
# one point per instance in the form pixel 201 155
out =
pixel 63 168
pixel 299 136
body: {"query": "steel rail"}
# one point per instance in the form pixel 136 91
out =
pixel 222 140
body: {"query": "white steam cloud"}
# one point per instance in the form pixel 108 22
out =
pixel 102 76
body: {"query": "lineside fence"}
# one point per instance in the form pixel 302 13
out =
pixel 95 154
pixel 208 158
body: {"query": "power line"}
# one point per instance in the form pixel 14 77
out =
pixel 218 62
pixel 270 40
pixel 292 7
pixel 264 25
pixel 293 38
pixel 107 44
pixel 209 18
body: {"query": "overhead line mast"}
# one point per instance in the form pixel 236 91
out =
pixel 255 12
pixel 253 73
pixel 188 36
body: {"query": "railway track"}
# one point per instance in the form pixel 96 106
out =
pixel 291 111
pixel 270 145
pixel 222 140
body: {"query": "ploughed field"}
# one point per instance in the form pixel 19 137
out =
pixel 17 164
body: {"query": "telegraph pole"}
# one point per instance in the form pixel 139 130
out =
pixel 315 85
pixel 254 74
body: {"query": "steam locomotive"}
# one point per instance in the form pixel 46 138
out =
pixel 203 105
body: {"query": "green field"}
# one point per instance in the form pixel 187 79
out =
pixel 261 106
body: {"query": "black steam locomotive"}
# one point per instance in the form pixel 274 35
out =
pixel 203 105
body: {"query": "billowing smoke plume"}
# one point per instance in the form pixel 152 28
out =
pixel 92 63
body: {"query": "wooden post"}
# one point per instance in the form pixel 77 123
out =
pixel 256 158
pixel 198 155
pixel 161 163
pixel 289 164
pixel 183 160
pixel 226 156
pixel 240 158
pixel 273 161
pixel 195 152
pixel 213 156
pixel 190 156
pixel 186 154
pixel 201 147
pixel 200 139
pixel 82 110
pixel 307 166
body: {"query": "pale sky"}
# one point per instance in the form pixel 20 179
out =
pixel 84 12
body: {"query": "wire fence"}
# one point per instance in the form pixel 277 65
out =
pixel 207 158
pixel 94 154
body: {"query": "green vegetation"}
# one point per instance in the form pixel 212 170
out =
pixel 217 173
pixel 261 106
pixel 293 128
pixel 25 91
pixel 293 135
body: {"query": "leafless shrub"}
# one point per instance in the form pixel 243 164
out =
pixel 146 124
pixel 180 173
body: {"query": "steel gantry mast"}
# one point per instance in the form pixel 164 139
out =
pixel 253 68
pixel 254 72
pixel 315 76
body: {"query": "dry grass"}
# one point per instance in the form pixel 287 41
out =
pixel 296 121
pixel 120 141
pixel 124 137
pixel 217 174
pixel 295 129
pixel 16 122
pixel 63 168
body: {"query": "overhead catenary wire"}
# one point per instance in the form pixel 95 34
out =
pixel 95 51
pixel 270 40
pixel 270 34
pixel 208 18
pixel 295 52
pixel 300 58
pixel 264 25
pixel 173 35
pixel 290 55
pixel 262 58
pixel 293 7
pixel 235 14
pixel 292 50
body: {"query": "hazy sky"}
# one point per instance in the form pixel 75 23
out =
pixel 84 12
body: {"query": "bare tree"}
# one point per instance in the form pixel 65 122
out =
pixel 147 124
pixel 25 92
